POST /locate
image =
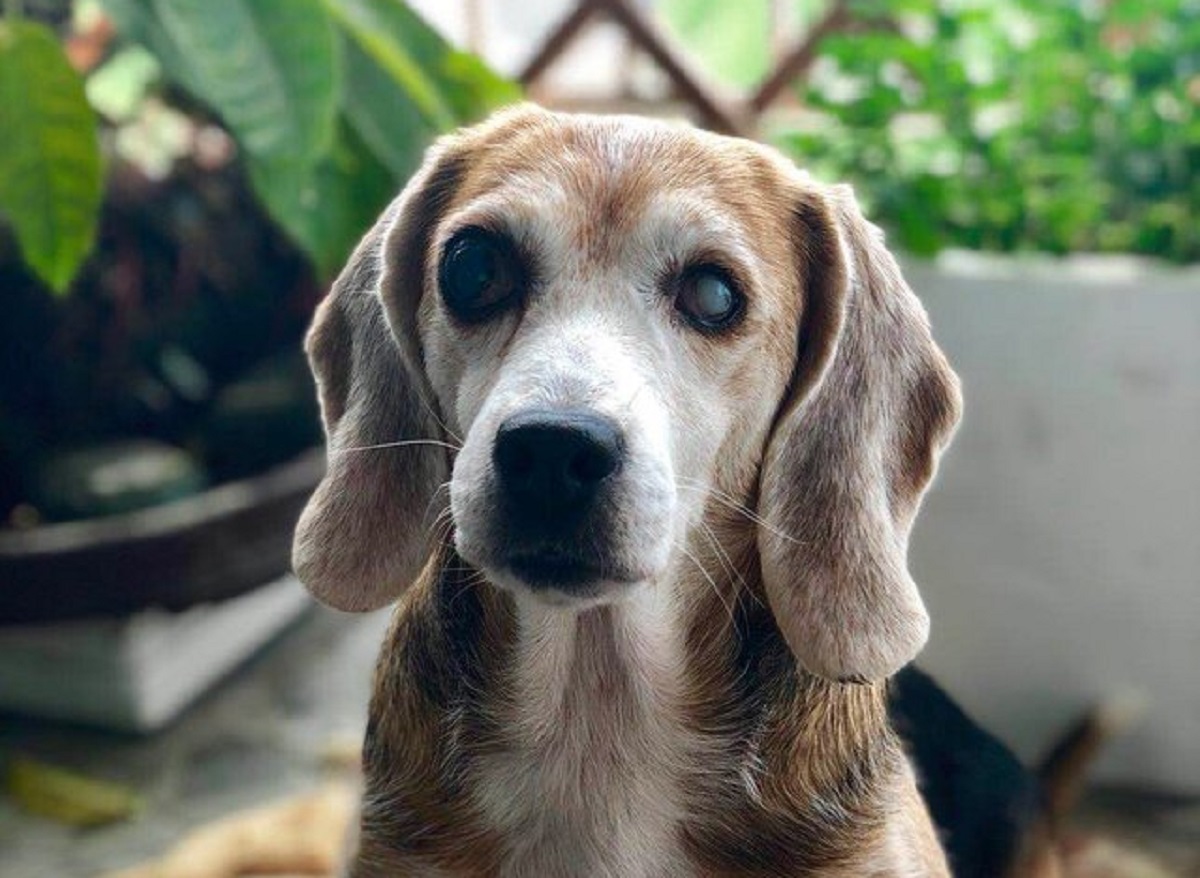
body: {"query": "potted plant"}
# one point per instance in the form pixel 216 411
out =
pixel 178 182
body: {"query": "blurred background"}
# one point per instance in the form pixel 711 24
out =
pixel 180 180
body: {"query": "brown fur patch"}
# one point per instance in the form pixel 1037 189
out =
pixel 819 754
pixel 448 642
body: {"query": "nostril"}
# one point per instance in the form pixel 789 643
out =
pixel 516 459
pixel 592 464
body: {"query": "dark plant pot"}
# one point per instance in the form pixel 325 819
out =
pixel 214 545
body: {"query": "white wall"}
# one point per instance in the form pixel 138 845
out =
pixel 1060 550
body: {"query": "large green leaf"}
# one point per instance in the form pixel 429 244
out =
pixel 335 204
pixel 404 83
pixel 465 85
pixel 390 124
pixel 50 169
pixel 268 68
pixel 279 72
pixel 372 28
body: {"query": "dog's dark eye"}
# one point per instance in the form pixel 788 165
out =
pixel 708 299
pixel 479 275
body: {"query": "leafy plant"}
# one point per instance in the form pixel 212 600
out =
pixel 50 178
pixel 193 172
pixel 330 103
pixel 1013 125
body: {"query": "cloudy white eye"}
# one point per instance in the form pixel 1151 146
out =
pixel 708 299
pixel 479 276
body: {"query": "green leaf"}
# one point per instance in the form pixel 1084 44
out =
pixel 403 85
pixel 374 29
pixel 68 797
pixel 268 68
pixel 389 123
pixel 474 88
pixel 335 204
pixel 445 86
pixel 333 101
pixel 50 169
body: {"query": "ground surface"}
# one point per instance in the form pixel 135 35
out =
pixel 263 734
pixel 266 733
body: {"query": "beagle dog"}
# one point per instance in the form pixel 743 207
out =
pixel 632 421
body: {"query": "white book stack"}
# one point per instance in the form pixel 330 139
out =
pixel 139 672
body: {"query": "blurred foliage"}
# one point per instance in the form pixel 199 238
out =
pixel 731 38
pixel 194 172
pixel 1056 125
pixel 330 103
pixel 67 797
pixel 50 172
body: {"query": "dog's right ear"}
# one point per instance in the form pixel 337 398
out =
pixel 873 403
pixel 366 531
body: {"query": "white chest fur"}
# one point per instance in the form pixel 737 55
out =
pixel 588 782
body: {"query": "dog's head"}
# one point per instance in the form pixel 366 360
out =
pixel 595 327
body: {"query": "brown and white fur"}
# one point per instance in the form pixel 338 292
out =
pixel 713 703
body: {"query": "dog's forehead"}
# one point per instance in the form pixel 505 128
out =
pixel 596 179
pixel 593 154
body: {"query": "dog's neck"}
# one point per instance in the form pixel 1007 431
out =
pixel 670 733
pixel 586 783
pixel 573 667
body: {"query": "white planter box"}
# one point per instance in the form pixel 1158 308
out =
pixel 138 673
pixel 1059 552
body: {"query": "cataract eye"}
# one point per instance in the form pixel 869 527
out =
pixel 479 275
pixel 708 300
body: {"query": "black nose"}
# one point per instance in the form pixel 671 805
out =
pixel 551 463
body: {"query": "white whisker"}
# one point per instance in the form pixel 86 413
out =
pixel 727 562
pixel 735 506
pixel 712 582
pixel 403 443
pixel 444 486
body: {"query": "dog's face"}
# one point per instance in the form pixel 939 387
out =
pixel 605 327
pixel 610 322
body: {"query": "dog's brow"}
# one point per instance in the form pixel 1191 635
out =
pixel 686 226
pixel 530 216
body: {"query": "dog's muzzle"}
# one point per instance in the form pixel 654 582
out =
pixel 554 469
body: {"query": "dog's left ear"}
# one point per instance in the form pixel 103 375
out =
pixel 855 444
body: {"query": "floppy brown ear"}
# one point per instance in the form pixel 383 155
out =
pixel 872 404
pixel 365 533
